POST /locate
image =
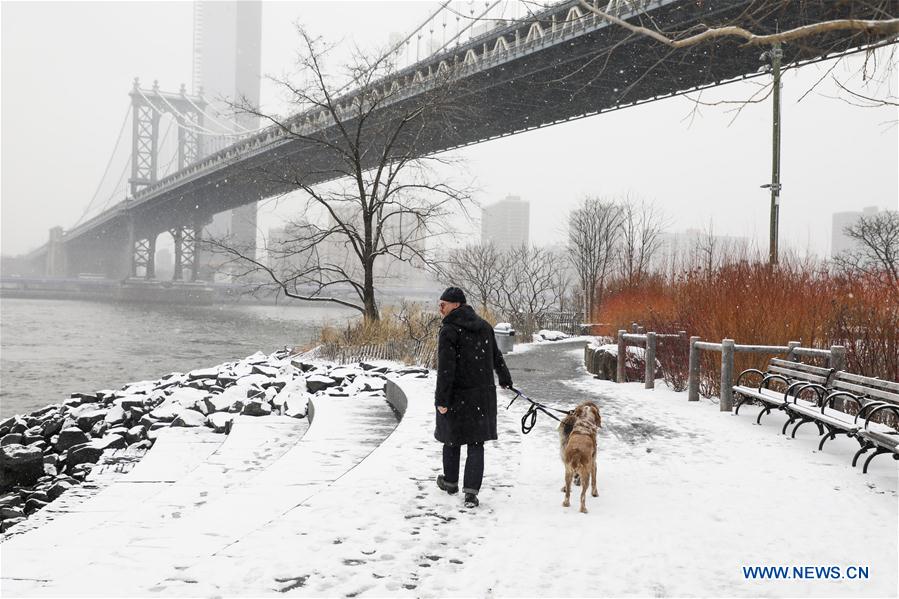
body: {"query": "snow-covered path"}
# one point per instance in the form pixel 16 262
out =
pixel 688 496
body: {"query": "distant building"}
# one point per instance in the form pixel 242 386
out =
pixel 692 248
pixel 402 268
pixel 227 66
pixel 506 223
pixel 840 242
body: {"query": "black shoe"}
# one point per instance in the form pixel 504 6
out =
pixel 451 488
pixel 471 500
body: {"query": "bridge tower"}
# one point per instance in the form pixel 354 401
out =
pixel 148 107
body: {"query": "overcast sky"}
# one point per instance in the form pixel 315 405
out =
pixel 67 69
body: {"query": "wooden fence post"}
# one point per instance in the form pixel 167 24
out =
pixel 650 356
pixel 727 375
pixel 837 357
pixel 620 376
pixel 693 381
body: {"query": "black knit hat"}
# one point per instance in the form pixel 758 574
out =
pixel 453 294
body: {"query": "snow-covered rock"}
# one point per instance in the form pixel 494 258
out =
pixel 256 407
pixel 115 415
pixel 296 406
pixel 220 422
pixel 69 437
pixel 548 335
pixel 317 382
pixel 189 417
pixel 20 464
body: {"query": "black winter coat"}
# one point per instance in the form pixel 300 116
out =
pixel 466 358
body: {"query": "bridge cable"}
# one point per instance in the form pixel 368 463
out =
pixel 106 170
pixel 125 170
pixel 230 125
pixel 198 129
pixel 467 27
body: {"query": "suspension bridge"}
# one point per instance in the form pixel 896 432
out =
pixel 541 65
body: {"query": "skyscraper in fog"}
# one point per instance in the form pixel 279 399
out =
pixel 227 66
pixel 506 223
pixel 840 242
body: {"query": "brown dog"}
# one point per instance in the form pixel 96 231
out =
pixel 577 437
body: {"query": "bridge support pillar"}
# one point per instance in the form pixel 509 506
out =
pixel 56 264
pixel 187 251
pixel 144 257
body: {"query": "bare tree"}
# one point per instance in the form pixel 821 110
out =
pixel 876 250
pixel 478 270
pixel 364 173
pixel 594 229
pixel 530 284
pixel 832 29
pixel 868 27
pixel 642 225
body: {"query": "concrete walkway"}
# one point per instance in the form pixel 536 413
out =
pixel 195 493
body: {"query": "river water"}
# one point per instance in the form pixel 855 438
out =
pixel 51 348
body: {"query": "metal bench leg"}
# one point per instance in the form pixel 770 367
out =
pixel 831 434
pixel 879 451
pixel 865 447
pixel 801 422
pixel 738 406
pixel 767 410
pixel 787 424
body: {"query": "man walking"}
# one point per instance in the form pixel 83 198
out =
pixel 466 394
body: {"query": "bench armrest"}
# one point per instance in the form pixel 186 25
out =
pixel 750 371
pixel 828 401
pixel 770 377
pixel 866 408
pixel 879 408
pixel 801 386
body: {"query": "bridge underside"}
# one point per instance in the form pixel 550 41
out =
pixel 598 70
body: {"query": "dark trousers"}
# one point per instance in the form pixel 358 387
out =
pixel 474 466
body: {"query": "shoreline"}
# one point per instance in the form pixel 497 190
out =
pixel 54 449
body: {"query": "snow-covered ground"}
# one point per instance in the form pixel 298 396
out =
pixel 688 496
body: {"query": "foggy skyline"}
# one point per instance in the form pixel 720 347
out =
pixel 67 69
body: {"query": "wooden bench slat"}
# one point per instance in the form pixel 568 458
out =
pixel 883 439
pixel 800 366
pixel 865 390
pixel 832 417
pixel 867 381
pixel 765 395
pixel 797 375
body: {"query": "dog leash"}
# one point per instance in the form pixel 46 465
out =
pixel 530 416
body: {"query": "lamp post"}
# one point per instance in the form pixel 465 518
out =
pixel 775 54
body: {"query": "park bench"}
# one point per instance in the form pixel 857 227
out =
pixel 794 378
pixel 866 396
pixel 860 393
pixel 877 397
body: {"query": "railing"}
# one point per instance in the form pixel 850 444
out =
pixel 835 357
pixel 420 353
pixel 649 342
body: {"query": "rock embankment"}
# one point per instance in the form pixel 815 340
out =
pixel 44 453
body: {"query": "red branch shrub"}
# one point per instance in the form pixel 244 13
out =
pixel 755 304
